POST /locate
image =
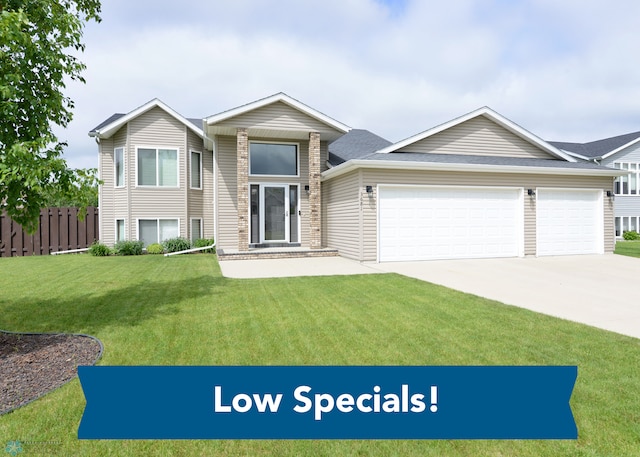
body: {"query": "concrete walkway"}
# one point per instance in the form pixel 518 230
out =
pixel 597 290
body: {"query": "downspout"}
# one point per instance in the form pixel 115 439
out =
pixel 188 251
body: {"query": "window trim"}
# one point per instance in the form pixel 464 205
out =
pixel 191 152
pixel 157 219
pixel 158 148
pixel 201 225
pixel 115 168
pixel 124 223
pixel 297 145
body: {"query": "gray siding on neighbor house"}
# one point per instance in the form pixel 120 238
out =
pixel 226 197
pixel 367 243
pixel 626 205
pixel 478 136
pixel 277 116
pixel 107 192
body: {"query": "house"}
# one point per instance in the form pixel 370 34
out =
pixel 276 173
pixel 622 152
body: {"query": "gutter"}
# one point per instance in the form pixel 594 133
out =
pixel 437 166
pixel 188 251
pixel 71 251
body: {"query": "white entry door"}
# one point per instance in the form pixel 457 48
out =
pixel 274 214
pixel 427 223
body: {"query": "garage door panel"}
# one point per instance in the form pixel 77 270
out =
pixel 444 223
pixel 569 221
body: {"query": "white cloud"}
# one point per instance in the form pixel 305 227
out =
pixel 564 70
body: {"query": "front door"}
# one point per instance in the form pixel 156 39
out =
pixel 274 213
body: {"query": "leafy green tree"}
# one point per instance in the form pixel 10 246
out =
pixel 37 38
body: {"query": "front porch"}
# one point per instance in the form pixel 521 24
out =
pixel 275 253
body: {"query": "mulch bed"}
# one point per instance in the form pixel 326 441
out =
pixel 33 365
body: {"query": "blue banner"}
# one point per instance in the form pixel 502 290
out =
pixel 327 402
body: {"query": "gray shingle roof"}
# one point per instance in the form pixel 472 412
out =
pixel 355 145
pixel 108 121
pixel 597 149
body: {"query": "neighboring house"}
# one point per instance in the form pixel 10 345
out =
pixel 621 152
pixel 278 173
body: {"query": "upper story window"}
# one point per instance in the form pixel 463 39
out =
pixel 273 159
pixel 628 184
pixel 196 170
pixel 157 167
pixel 118 163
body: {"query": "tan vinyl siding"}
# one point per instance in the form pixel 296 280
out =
pixel 478 136
pixel 107 192
pixel 157 129
pixel 200 201
pixel 374 177
pixel 277 116
pixel 342 223
pixel 227 191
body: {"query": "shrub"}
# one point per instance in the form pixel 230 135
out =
pixel 155 248
pixel 631 235
pixel 202 242
pixel 128 247
pixel 176 244
pixel 99 250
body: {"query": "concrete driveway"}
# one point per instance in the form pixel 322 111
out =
pixel 597 290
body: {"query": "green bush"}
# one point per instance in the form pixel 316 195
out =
pixel 99 250
pixel 155 248
pixel 631 235
pixel 176 244
pixel 128 247
pixel 203 242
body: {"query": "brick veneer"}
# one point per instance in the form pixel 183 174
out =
pixel 243 188
pixel 315 227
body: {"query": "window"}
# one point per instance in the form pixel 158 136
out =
pixel 118 163
pixel 120 230
pixel 273 159
pixel 626 224
pixel 196 170
pixel 158 167
pixel 628 184
pixel 196 229
pixel 157 230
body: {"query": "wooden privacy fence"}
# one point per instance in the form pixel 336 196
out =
pixel 59 230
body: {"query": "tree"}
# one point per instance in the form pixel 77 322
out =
pixel 37 38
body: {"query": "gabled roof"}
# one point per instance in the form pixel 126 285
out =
pixel 356 144
pixel 279 97
pixel 111 125
pixel 491 115
pixel 601 149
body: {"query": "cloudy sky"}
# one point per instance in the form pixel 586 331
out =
pixel 565 70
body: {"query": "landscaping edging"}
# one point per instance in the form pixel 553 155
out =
pixel 35 364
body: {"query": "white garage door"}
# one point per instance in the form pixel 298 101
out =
pixel 569 222
pixel 426 223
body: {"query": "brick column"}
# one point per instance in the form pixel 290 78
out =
pixel 315 223
pixel 243 188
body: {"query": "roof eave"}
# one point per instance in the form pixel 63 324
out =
pixel 467 167
pixel 621 148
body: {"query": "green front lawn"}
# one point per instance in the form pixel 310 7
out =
pixel 152 310
pixel 630 248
